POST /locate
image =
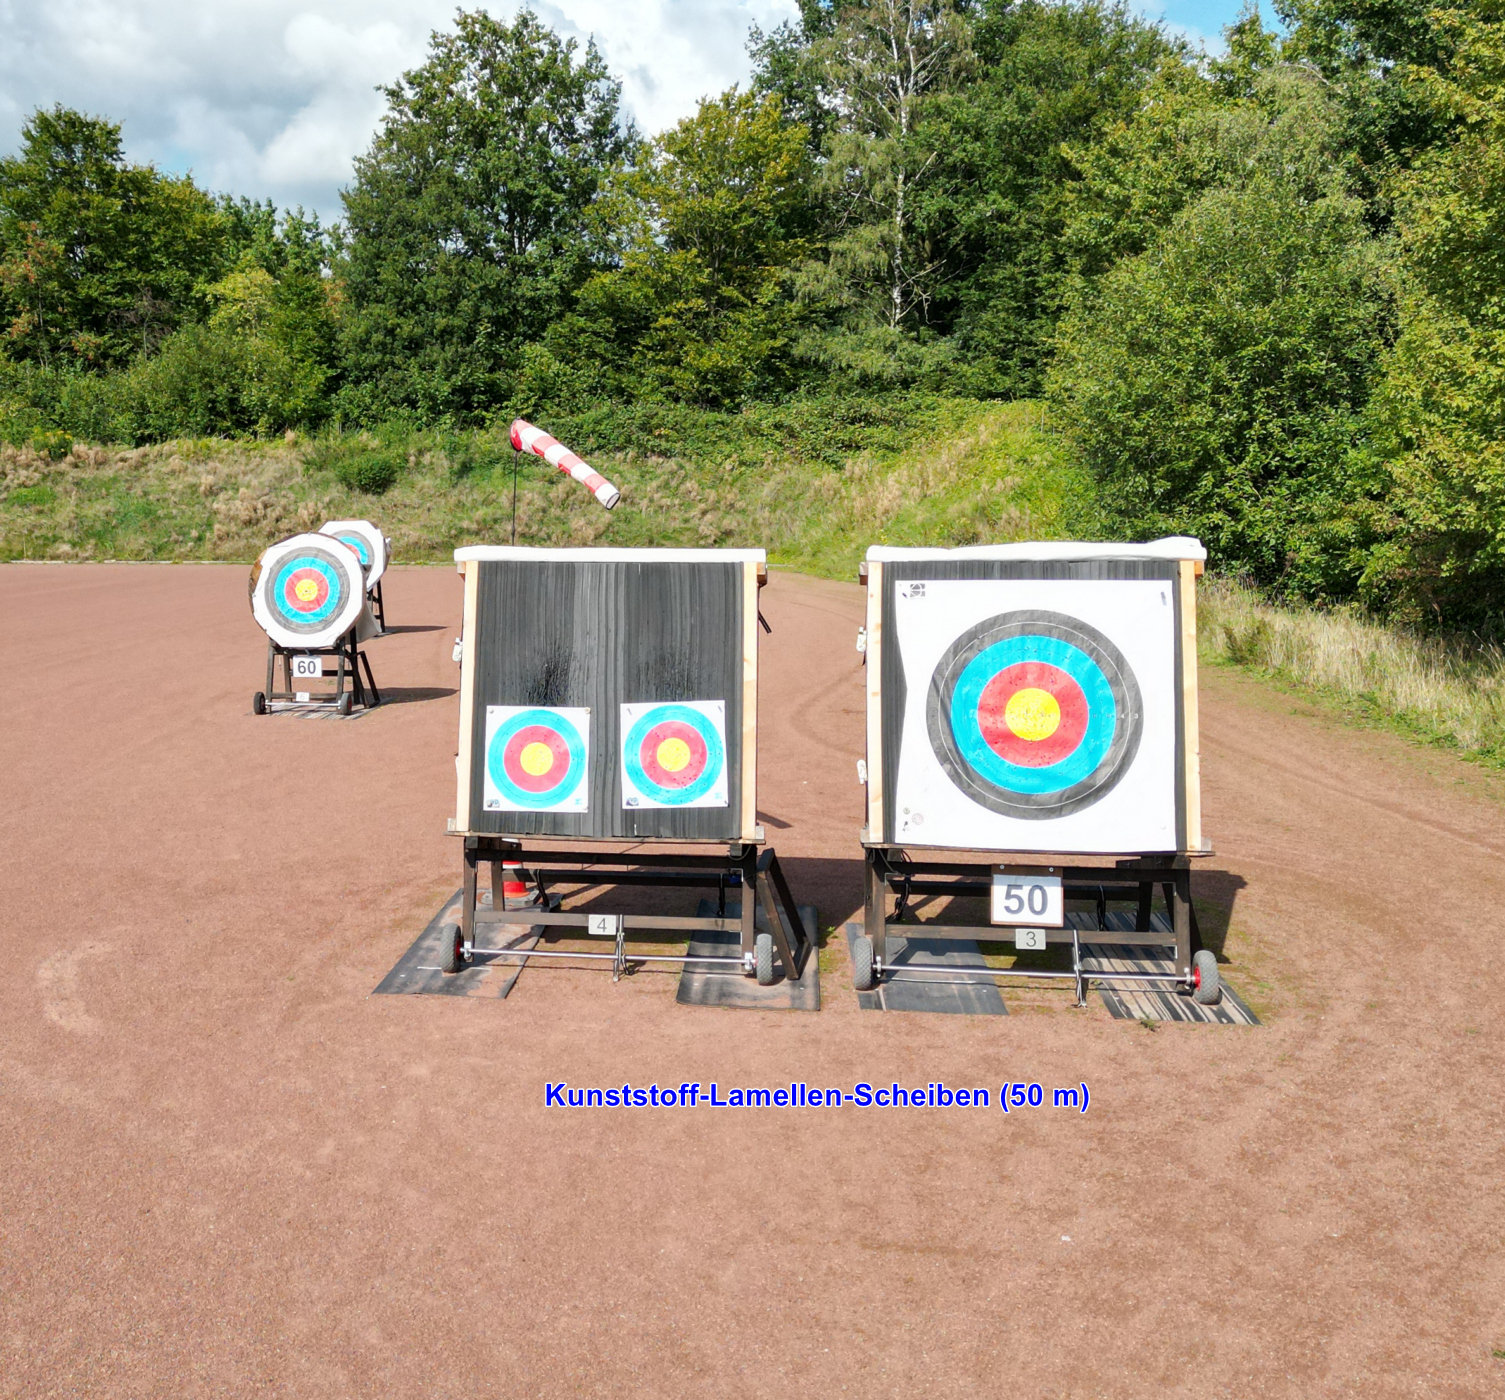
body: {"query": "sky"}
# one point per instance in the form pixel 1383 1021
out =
pixel 274 98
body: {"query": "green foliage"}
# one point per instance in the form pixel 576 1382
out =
pixel 1048 77
pixel 1216 383
pixel 464 225
pixel 1441 408
pixel 99 259
pixel 53 443
pixel 710 221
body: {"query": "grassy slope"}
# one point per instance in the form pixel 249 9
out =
pixel 991 474
pixel 987 472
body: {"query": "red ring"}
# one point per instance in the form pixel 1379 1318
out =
pixel 512 758
pixel 648 754
pixel 1036 675
pixel 290 597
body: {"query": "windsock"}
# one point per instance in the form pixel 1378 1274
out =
pixel 527 438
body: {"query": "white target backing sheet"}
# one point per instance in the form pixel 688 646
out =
pixel 1040 714
pixel 537 758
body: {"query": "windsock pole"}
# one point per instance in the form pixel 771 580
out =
pixel 527 438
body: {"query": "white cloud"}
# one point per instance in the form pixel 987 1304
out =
pixel 276 97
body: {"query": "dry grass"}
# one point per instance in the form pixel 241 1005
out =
pixel 1447 691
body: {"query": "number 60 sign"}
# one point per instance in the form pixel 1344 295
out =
pixel 1024 897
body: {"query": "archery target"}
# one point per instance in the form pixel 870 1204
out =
pixel 307 591
pixel 537 757
pixel 674 754
pixel 366 540
pixel 1040 714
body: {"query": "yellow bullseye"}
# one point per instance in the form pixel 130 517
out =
pixel 536 759
pixel 306 589
pixel 1032 714
pixel 673 755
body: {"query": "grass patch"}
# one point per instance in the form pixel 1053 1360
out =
pixel 1444 691
pixel 814 484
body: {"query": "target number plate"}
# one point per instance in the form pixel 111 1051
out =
pixel 1022 897
pixel 308 667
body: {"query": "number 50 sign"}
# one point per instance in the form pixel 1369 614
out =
pixel 1024 897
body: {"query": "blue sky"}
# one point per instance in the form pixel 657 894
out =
pixel 276 97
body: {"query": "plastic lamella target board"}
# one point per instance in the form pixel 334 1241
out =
pixel 537 758
pixel 1041 714
pixel 366 540
pixel 308 591
pixel 674 754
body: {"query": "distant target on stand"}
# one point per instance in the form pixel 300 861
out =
pixel 536 759
pixel 1034 714
pixel 307 591
pixel 674 754
pixel 366 540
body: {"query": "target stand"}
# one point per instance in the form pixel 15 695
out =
pixel 608 721
pixel 349 661
pixel 308 594
pixel 1028 702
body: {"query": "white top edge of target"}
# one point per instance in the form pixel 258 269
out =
pixel 491 552
pixel 1048 551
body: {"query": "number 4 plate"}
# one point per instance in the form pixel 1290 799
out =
pixel 1022 897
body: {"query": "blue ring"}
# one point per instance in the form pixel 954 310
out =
pixel 573 775
pixel 362 552
pixel 715 755
pixel 1096 741
pixel 331 603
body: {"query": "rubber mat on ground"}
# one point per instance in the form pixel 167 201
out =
pixel 417 972
pixel 1145 1002
pixel 719 984
pixel 957 996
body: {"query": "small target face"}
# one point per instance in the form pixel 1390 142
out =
pixel 359 545
pixel 535 759
pixel 306 590
pixel 1034 714
pixel 674 755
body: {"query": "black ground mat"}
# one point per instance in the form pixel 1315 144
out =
pixel 417 971
pixel 958 996
pixel 1145 1002
pixel 717 984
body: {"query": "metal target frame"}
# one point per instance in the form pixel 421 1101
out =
pixel 904 875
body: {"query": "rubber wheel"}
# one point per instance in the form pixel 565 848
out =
pixel 258 704
pixel 862 963
pixel 1207 986
pixel 763 959
pixel 452 950
pixel 346 703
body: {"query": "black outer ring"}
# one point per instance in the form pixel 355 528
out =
pixel 1048 805
pixel 284 619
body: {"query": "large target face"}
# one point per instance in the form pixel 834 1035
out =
pixel 1034 714
pixel 674 754
pixel 307 591
pixel 537 758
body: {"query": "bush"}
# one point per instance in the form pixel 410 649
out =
pixel 363 462
pixel 53 443
pixel 1216 384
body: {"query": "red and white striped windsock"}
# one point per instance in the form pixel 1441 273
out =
pixel 527 438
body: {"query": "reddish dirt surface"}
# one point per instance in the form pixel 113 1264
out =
pixel 226 1169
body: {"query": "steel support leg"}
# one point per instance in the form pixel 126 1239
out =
pixel 875 914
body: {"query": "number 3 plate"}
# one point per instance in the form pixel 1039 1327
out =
pixel 1021 897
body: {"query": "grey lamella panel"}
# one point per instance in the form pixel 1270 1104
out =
pixel 895 686
pixel 601 635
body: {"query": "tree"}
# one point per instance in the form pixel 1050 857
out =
pixel 1047 77
pixel 99 258
pixel 1441 406
pixel 465 222
pixel 711 218
pixel 1217 382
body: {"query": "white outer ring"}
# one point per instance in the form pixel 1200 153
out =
pixel 376 544
pixel 339 623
